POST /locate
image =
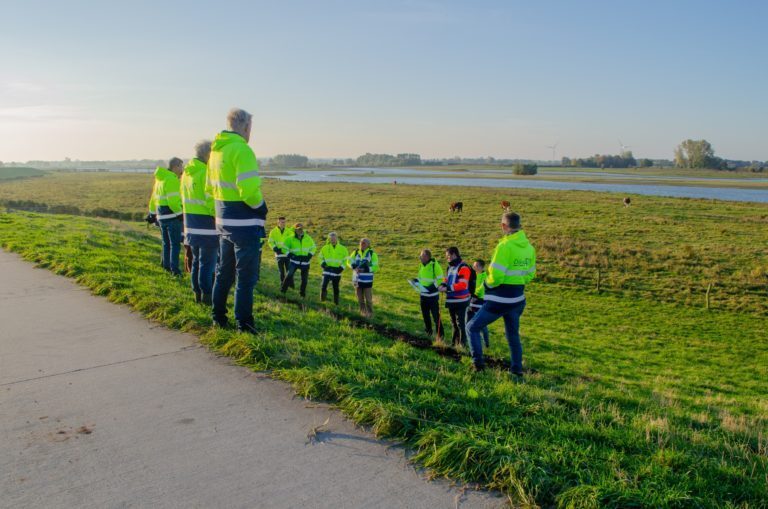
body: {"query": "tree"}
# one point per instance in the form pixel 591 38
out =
pixel 645 163
pixel 290 161
pixel 696 154
pixel 525 169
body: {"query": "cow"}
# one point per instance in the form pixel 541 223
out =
pixel 456 206
pixel 627 201
pixel 505 205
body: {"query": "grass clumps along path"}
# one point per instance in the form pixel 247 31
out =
pixel 634 402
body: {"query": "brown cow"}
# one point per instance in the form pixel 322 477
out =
pixel 627 201
pixel 505 205
pixel 456 206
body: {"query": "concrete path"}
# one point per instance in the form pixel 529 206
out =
pixel 100 408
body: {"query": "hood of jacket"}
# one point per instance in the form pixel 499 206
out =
pixel 225 138
pixel 163 173
pixel 195 166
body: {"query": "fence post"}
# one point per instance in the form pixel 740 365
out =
pixel 709 288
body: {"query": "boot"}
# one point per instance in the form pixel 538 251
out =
pixel 207 299
pixel 323 295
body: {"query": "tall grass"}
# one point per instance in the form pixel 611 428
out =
pixel 633 402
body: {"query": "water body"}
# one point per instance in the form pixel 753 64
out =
pixel 385 176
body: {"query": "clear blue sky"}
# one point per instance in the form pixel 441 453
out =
pixel 114 80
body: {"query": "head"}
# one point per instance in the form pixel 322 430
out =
pixel 425 255
pixel 239 121
pixel 281 222
pixel 510 223
pixel 203 150
pixel 479 266
pixel 333 238
pixel 364 244
pixel 176 165
pixel 452 253
pixel 298 230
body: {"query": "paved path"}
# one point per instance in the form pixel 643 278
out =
pixel 100 408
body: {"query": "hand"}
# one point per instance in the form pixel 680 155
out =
pixel 442 288
pixel 324 265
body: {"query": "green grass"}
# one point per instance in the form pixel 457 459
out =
pixel 636 396
pixel 13 173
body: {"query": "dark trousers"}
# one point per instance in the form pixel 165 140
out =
pixel 334 281
pixel 288 281
pixel 430 311
pixel 282 265
pixel 511 315
pixel 238 263
pixel 458 314
pixel 171 232
pixel 471 312
pixel 204 260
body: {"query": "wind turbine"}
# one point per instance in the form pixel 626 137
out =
pixel 553 147
pixel 623 148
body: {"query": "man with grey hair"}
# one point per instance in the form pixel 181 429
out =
pixel 234 182
pixel 200 234
pixel 513 265
pixel 333 256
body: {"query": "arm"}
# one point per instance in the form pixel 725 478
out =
pixel 172 191
pixel 153 199
pixel 495 275
pixel 248 179
pixel 462 280
pixel 272 242
pixel 374 263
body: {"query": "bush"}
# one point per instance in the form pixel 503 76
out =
pixel 525 169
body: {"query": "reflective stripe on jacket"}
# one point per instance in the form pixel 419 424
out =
pixel 457 281
pixel 512 266
pixel 334 256
pixel 430 277
pixel 234 182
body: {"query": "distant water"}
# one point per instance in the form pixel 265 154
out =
pixel 379 176
pixel 442 178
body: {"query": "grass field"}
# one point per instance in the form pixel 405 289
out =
pixel 636 396
pixel 12 173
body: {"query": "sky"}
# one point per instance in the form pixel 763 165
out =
pixel 148 79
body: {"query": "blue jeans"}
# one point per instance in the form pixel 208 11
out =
pixel 484 318
pixel 203 268
pixel 471 312
pixel 238 261
pixel 171 233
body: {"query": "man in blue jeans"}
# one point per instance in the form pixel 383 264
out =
pixel 165 203
pixel 512 266
pixel 234 182
pixel 200 231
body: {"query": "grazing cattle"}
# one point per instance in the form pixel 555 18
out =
pixel 456 206
pixel 505 205
pixel 627 201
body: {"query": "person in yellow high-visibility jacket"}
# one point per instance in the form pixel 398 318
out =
pixel 301 249
pixel 241 212
pixel 333 257
pixel 513 266
pixel 165 203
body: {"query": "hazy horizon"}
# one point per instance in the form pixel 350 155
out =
pixel 99 81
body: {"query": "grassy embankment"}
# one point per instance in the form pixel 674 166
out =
pixel 635 401
pixel 13 173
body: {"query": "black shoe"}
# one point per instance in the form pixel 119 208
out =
pixel 247 327
pixel 477 368
pixel 517 376
pixel 221 323
pixel 207 299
